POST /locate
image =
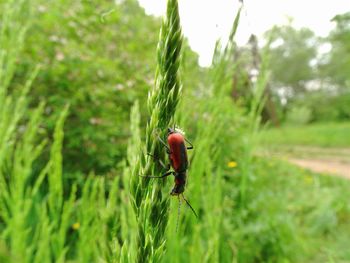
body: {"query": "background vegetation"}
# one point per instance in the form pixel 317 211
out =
pixel 76 123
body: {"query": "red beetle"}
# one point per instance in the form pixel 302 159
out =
pixel 177 152
pixel 178 158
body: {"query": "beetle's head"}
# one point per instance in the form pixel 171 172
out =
pixel 175 130
pixel 171 130
pixel 178 189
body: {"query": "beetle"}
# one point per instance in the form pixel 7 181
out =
pixel 177 151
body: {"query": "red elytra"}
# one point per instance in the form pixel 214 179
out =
pixel 178 152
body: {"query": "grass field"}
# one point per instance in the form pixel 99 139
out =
pixel 320 134
pixel 306 209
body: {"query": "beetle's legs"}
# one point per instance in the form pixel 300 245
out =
pixel 191 145
pixel 157 131
pixel 162 176
pixel 165 145
pixel 166 167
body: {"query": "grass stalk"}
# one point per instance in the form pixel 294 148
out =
pixel 150 204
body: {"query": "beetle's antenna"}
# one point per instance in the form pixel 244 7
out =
pixel 194 212
pixel 178 214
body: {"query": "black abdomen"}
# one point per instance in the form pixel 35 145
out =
pixel 180 183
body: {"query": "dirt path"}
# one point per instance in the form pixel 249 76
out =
pixel 332 167
pixel 332 161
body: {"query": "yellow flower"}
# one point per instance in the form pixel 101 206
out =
pixel 232 164
pixel 76 226
pixel 308 179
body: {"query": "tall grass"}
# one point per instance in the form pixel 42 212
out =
pixel 39 222
pixel 213 124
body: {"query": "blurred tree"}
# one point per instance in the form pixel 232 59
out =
pixel 335 65
pixel 323 106
pixel 99 58
pixel 292 53
pixel 330 101
pixel 248 65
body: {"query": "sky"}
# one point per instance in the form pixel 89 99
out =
pixel 205 21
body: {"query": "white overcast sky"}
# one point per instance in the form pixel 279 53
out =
pixel 204 21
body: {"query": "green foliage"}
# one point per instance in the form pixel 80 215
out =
pixel 99 58
pixel 299 115
pixel 336 64
pixel 327 108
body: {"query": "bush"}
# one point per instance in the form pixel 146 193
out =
pixel 299 115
